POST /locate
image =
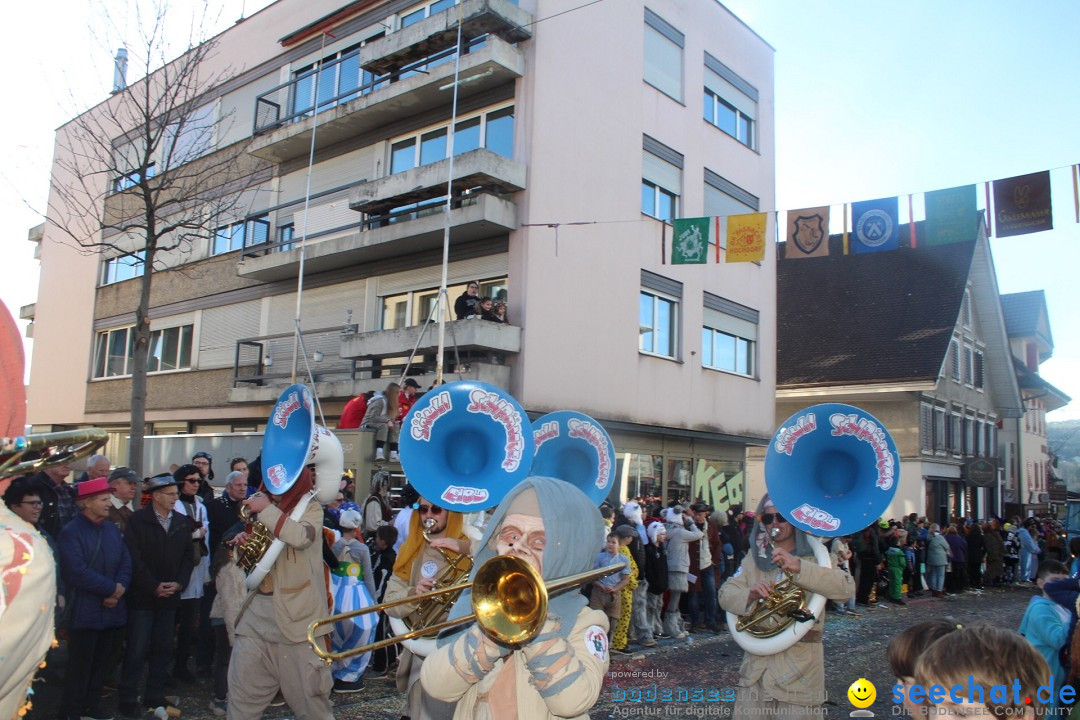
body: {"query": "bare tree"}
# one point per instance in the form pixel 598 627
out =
pixel 150 172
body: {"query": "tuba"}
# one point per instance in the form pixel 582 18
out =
pixel 831 470
pixel 292 442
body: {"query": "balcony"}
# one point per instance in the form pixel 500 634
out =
pixel 349 364
pixel 500 18
pixel 286 132
pixel 472 218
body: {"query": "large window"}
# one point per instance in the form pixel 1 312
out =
pixel 680 478
pixel 170 349
pixel 124 267
pixel 416 306
pixel 247 233
pixel 493 130
pixel 661 180
pixel 729 336
pixel 663 56
pixel 339 79
pixel 643 475
pixel 926 428
pixel 723 197
pixel 133 178
pixel 730 102
pixel 657 319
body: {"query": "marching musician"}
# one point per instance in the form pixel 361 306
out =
pixel 554 527
pixel 417 569
pixel 790 683
pixel 270 649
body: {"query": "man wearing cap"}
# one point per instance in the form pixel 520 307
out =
pixel 419 564
pixel 159 540
pixel 57 497
pixel 409 390
pixel 790 683
pixel 96 568
pixel 123 481
pixel 270 650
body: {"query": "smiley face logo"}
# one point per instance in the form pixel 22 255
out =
pixel 862 693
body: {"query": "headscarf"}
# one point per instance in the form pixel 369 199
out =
pixel 760 540
pixel 415 544
pixel 574 532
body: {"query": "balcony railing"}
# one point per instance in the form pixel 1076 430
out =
pixel 339 82
pixel 266 360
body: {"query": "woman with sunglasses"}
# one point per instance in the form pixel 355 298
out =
pixel 793 679
pixel 188 479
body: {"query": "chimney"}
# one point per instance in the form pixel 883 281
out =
pixel 120 71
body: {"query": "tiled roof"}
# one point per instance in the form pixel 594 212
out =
pixel 1022 312
pixel 877 317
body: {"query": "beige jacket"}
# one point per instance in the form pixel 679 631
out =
pixel 796 675
pixel 551 677
pixel 297 578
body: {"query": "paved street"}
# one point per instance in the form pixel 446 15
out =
pixel 854 647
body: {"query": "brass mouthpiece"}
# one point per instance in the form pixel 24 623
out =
pixel 429 524
pixel 774 532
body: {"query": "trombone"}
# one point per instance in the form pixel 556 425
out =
pixel 509 603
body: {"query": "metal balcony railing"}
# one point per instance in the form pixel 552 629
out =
pixel 339 82
pixel 267 359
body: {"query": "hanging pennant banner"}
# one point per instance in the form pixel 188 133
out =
pixel 951 216
pixel 807 233
pixel 1022 204
pixel 690 241
pixel 746 237
pixel 876 225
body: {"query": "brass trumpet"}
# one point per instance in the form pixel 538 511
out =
pixel 509 603
pixel 56 448
pixel 259 539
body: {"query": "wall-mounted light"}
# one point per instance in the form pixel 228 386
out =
pixel 318 356
pixel 268 361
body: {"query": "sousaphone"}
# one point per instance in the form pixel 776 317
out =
pixel 830 470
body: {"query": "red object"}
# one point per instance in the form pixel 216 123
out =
pixel 12 390
pixel 97 486
pixel 353 413
pixel 404 404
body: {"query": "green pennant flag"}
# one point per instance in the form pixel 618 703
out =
pixel 690 241
pixel 951 216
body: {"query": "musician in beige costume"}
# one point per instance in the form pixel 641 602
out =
pixel 27 596
pixel 419 564
pixel 559 673
pixel 270 648
pixel 790 683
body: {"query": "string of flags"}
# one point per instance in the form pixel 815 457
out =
pixel 1021 205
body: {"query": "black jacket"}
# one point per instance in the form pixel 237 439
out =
pixel 656 571
pixel 157 557
pixel 56 512
pixel 223 518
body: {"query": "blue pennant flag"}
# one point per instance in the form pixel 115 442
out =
pixel 876 224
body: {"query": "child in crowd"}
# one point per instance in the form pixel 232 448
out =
pixel 895 563
pixel 353 588
pixel 904 651
pixel 231 587
pixel 656 573
pixel 625 535
pixel 983 657
pixel 607 591
pixel 1045 623
pixel 382 567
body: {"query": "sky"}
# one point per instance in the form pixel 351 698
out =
pixel 872 100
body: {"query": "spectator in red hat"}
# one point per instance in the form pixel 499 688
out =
pixel 96 568
pixel 409 390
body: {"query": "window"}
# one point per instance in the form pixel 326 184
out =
pixel 415 16
pixel 980 359
pixel 969 365
pixel 663 56
pixel 968 447
pixel 661 180
pixel 643 474
pixel 954 360
pixel 124 267
pixel 926 428
pixel 285 237
pixel 170 349
pixel 248 233
pixel 416 306
pixel 680 477
pixel 723 197
pixel 729 336
pixel 940 425
pixel 493 130
pixel 189 138
pixel 730 102
pixel 954 434
pixel 133 178
pixel 657 324
pixel 340 79
pixel 965 309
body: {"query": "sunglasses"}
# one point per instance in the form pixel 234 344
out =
pixel 433 509
pixel 767 518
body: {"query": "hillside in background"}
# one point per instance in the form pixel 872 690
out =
pixel 1064 441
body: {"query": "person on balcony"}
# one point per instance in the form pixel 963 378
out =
pixel 381 416
pixel 468 303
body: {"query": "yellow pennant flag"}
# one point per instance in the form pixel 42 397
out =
pixel 746 237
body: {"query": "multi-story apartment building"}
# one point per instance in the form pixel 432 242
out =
pixel 915 337
pixel 579 131
pixel 1029 487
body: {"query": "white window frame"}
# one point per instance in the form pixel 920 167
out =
pixel 969 365
pixel 740 342
pixel 661 178
pixel 488 288
pixel 417 138
pixel 155 337
pixel 112 267
pixel 745 125
pixel 658 193
pixel 675 302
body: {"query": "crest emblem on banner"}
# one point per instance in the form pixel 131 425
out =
pixel 1022 196
pixel 808 233
pixel 691 244
pixel 875 228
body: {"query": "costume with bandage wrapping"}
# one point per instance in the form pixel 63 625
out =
pixel 270 649
pixel 795 676
pixel 560 672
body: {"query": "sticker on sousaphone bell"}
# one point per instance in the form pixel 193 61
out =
pixel 571 446
pixel 288 439
pixel 463 445
pixel 832 469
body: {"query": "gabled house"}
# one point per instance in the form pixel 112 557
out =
pixel 917 338
pixel 1029 484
